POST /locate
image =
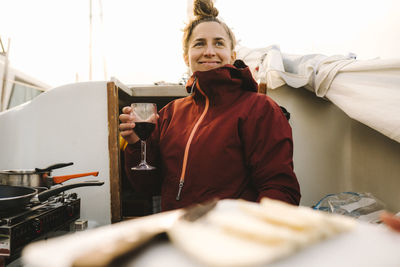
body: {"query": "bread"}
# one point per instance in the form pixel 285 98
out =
pixel 211 246
pixel 242 233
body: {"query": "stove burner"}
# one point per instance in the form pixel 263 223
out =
pixel 35 221
pixel 14 216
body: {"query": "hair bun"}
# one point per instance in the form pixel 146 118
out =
pixel 204 8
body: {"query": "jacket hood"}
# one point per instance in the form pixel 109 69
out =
pixel 236 75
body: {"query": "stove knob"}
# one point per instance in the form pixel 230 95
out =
pixel 70 210
pixel 37 225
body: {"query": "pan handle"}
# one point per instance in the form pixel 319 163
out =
pixel 54 166
pixel 55 191
pixel 61 179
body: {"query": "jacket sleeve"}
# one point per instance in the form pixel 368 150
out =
pixel 268 148
pixel 146 183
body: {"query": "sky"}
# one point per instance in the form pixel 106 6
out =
pixel 139 42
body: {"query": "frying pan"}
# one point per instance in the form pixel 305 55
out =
pixel 38 177
pixel 17 197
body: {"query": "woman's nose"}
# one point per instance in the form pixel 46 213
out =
pixel 209 51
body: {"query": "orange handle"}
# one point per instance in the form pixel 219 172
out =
pixel 60 179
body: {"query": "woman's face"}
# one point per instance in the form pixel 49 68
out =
pixel 209 47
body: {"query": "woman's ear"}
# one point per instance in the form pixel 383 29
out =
pixel 186 59
pixel 233 56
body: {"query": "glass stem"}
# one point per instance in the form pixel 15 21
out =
pixel 143 149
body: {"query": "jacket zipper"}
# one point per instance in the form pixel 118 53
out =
pixel 185 155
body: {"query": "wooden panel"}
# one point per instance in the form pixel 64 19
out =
pixel 262 88
pixel 113 146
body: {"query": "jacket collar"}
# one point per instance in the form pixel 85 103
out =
pixel 236 77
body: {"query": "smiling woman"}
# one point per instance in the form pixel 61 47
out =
pixel 218 142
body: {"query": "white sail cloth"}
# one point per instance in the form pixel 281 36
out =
pixel 366 90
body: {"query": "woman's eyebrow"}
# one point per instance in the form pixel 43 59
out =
pixel 203 39
pixel 199 40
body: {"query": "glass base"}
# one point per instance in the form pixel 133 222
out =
pixel 143 167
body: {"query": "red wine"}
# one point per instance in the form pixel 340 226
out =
pixel 144 129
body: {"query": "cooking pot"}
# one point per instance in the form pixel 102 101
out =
pixel 17 197
pixel 38 177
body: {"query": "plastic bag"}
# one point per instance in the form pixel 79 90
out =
pixel 363 206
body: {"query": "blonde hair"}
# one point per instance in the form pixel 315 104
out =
pixel 204 11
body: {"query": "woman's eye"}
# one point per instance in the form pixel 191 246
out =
pixel 219 43
pixel 198 44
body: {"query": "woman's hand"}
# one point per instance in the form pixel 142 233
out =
pixel 126 126
pixel 392 221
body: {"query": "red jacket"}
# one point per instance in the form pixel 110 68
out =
pixel 225 140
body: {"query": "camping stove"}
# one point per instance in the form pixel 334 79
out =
pixel 36 221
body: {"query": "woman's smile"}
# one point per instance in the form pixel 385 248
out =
pixel 210 64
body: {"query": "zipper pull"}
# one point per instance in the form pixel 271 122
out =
pixel 178 197
pixel 194 83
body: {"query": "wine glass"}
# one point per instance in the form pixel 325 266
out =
pixel 145 115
